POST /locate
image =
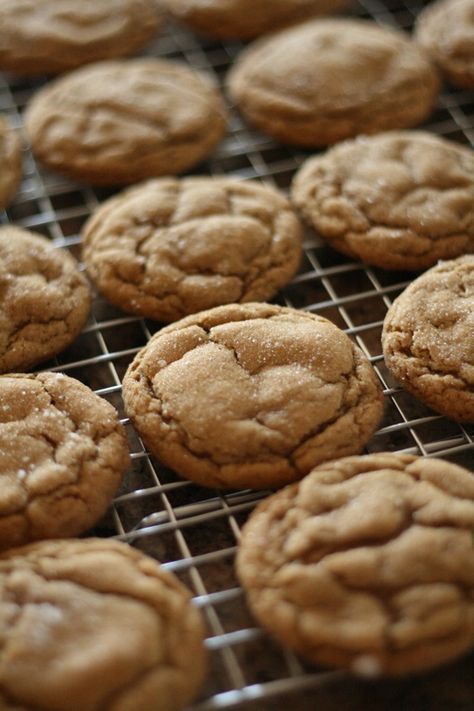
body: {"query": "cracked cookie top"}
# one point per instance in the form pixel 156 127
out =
pixel 251 395
pixel 10 162
pixel 97 626
pixel 118 122
pixel 399 200
pixel 243 19
pixel 326 80
pixel 366 564
pixel 52 36
pixel 62 456
pixel 428 338
pixel 45 300
pixel 169 248
pixel 446 29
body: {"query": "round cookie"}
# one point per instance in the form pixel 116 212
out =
pixel 366 564
pixel 94 624
pixel 428 340
pixel 10 162
pixel 62 456
pixel 169 247
pixel 244 19
pixel 45 300
pixel 251 395
pixel 53 36
pixel 326 80
pixel 121 121
pixel 399 200
pixel 446 30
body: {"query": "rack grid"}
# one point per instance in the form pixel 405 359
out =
pixel 194 531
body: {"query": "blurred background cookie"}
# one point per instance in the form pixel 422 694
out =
pixel 169 248
pixel 326 80
pixel 52 36
pixel 398 200
pixel 119 122
pixel 446 29
pixel 10 163
pixel 45 299
pixel 246 18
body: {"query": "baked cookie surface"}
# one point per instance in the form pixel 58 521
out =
pixel 398 200
pixel 62 456
pixel 446 30
pixel 366 564
pixel 169 248
pixel 53 36
pixel 45 299
pixel 428 340
pixel 251 395
pixel 10 162
pixel 244 19
pixel 92 625
pixel 118 122
pixel 326 80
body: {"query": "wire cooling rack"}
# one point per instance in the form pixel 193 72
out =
pixel 193 530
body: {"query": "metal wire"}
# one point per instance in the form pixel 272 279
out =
pixel 192 530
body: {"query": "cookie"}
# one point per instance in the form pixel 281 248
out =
pixel 45 300
pixel 119 122
pixel 62 456
pixel 94 624
pixel 446 30
pixel 245 19
pixel 53 36
pixel 326 80
pixel 400 200
pixel 367 564
pixel 251 395
pixel 428 340
pixel 10 161
pixel 169 247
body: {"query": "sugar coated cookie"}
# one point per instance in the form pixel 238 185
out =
pixel 366 564
pixel 428 338
pixel 169 248
pixel 251 395
pixel 10 162
pixel 92 625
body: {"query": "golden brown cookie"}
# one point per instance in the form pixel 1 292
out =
pixel 251 395
pixel 326 80
pixel 45 300
pixel 244 19
pixel 169 247
pixel 53 36
pixel 62 456
pixel 119 122
pixel 428 338
pixel 92 625
pixel 446 30
pixel 366 564
pixel 399 200
pixel 10 162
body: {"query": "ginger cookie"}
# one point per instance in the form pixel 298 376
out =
pixel 169 247
pixel 53 36
pixel 62 456
pixel 399 200
pixel 244 19
pixel 118 122
pixel 366 564
pixel 94 624
pixel 446 30
pixel 45 300
pixel 251 395
pixel 10 161
pixel 326 80
pixel 428 338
